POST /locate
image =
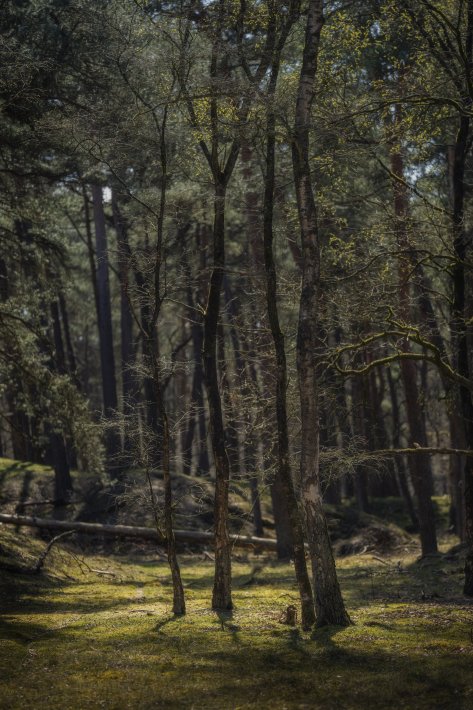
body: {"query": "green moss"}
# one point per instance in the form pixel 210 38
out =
pixel 75 638
pixel 10 467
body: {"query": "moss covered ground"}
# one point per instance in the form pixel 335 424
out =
pixel 75 637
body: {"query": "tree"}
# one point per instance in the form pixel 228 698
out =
pixel 329 604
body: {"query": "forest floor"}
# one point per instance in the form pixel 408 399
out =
pixel 97 632
pixel 95 628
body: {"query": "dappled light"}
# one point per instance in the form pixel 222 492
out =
pixel 236 354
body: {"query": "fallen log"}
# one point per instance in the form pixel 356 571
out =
pixel 196 537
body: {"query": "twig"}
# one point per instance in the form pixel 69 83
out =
pixel 378 559
pixel 42 558
pixel 103 571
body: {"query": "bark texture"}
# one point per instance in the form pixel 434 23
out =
pixel 329 605
pixel 285 486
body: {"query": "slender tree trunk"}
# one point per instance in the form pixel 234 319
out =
pixel 453 405
pixel 461 314
pixel 384 484
pixel 127 350
pixel 203 464
pixel 59 352
pixel 221 598
pixel 331 486
pixel 196 415
pixel 189 432
pixel 69 347
pixel 231 432
pixel 163 445
pixel 359 428
pixel 420 468
pixel 107 355
pixel 19 428
pixel 60 462
pixel 283 480
pixel 91 250
pixel 396 439
pixel 256 266
pixel 162 439
pixel 329 605
pixel 248 385
pixel 342 414
pixel 62 452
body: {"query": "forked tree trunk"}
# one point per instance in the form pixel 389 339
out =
pixel 283 480
pixel 329 605
pixel 220 74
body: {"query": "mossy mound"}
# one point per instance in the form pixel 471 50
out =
pixel 353 532
pixel 25 487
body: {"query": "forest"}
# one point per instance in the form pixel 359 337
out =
pixel 236 354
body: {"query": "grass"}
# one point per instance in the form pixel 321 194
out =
pixel 75 638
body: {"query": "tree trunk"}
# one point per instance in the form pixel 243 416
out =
pixel 164 444
pixel 420 468
pixel 461 314
pixel 196 414
pixel 453 406
pixel 104 317
pixel 62 452
pixel 256 267
pixel 248 385
pixel 383 484
pixel 283 480
pixel 59 352
pixel 19 428
pixel 62 476
pixel 329 604
pixel 231 432
pixel 330 484
pixel 162 439
pixel 71 358
pixel 127 350
pixel 221 598
pixel 203 464
pixel 359 429
pixel 400 464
